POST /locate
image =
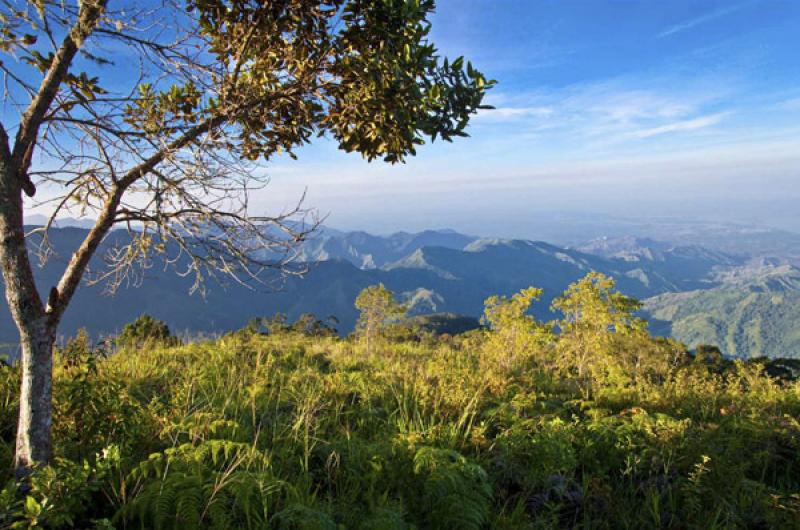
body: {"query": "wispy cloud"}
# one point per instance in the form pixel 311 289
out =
pixel 683 125
pixel 790 104
pixel 609 113
pixel 513 113
pixel 689 24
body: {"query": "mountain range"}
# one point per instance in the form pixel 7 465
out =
pixel 695 293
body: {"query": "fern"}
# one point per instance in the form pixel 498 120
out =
pixel 299 517
pixel 456 492
pixel 384 519
pixel 215 485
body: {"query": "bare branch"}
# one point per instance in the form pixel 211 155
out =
pixel 28 131
pixel 188 137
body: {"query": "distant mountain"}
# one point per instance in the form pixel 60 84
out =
pixel 441 323
pixel 684 267
pixel 502 266
pixel 755 312
pixel 580 230
pixel 433 279
pixel 369 251
pixel 696 294
pixel 729 238
pixel 61 222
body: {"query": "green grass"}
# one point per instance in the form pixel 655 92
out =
pixel 292 431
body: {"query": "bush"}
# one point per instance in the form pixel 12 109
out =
pixel 145 331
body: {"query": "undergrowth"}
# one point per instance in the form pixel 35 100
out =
pixel 297 430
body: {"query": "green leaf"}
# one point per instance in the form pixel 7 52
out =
pixel 32 506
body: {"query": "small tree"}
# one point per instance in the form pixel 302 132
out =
pixel 708 354
pixel 145 330
pixel 644 358
pixel 276 324
pixel 151 115
pixel 378 310
pixel 77 350
pixel 709 357
pixel 308 324
pixel 514 334
pixel 593 314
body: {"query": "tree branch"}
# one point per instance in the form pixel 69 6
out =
pixel 60 298
pixel 188 137
pixel 62 294
pixel 88 17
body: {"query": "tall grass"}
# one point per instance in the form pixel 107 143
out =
pixel 291 431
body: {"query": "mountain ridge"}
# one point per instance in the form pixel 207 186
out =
pixel 752 316
pixel 455 277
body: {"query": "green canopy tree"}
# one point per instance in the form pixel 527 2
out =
pixel 152 115
pixel 514 334
pixel 595 315
pixel 378 308
pixel 146 330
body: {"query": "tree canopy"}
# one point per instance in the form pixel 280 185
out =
pixel 153 114
pixel 156 115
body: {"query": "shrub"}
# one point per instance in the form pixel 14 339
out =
pixel 145 331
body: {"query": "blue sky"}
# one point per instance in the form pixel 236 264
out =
pixel 657 108
pixel 633 108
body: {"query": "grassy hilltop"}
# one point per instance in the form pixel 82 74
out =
pixel 588 422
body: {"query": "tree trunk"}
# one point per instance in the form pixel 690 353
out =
pixel 35 321
pixel 36 327
pixel 35 410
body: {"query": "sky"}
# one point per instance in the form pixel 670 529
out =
pixel 681 109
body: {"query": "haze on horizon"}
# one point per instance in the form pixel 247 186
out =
pixel 680 109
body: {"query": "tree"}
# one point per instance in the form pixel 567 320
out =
pixel 594 316
pixel 711 358
pixel 146 330
pixel 309 324
pixel 514 333
pixel 153 116
pixel 378 309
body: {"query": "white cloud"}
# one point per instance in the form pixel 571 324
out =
pixel 512 113
pixel 607 115
pixel 612 106
pixel 683 125
pixel 688 24
pixel 791 104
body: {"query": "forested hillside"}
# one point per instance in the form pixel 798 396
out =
pixel 749 317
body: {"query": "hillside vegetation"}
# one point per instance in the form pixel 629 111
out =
pixel 586 422
pixel 746 317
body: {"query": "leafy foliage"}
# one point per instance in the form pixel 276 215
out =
pixel 594 318
pixel 514 333
pixel 144 331
pixel 455 493
pixel 295 430
pixel 216 484
pixel 379 309
pixel 61 495
pixel 298 517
